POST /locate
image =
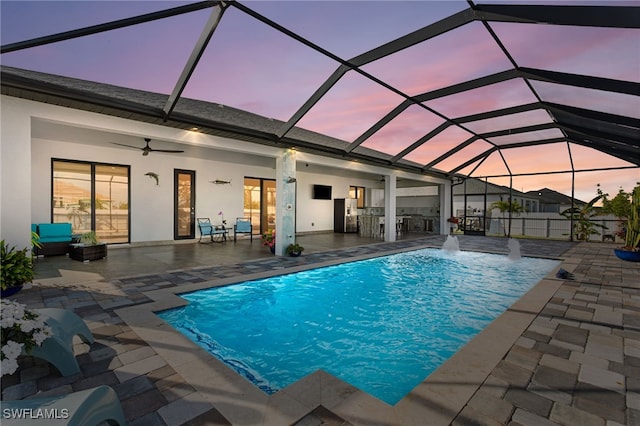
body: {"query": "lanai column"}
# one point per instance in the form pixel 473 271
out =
pixel 390 208
pixel 445 191
pixel 285 200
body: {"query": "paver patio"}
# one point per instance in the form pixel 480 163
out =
pixel 566 353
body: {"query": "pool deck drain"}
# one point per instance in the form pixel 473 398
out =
pixel 568 352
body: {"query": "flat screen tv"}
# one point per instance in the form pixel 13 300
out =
pixel 321 192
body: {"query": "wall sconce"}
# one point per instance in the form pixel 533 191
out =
pixel 290 179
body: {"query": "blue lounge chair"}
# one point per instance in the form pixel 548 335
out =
pixel 84 408
pixel 58 348
pixel 242 226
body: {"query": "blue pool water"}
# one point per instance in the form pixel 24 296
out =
pixel 382 324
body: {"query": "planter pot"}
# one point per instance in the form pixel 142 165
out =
pixel 87 253
pixel 11 291
pixel 272 249
pixel 295 253
pixel 631 256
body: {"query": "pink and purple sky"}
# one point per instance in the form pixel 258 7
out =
pixel 250 66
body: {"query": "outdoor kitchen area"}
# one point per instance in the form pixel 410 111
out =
pixel 415 213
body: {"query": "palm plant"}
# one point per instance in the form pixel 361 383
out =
pixel 507 206
pixel 632 236
pixel 583 225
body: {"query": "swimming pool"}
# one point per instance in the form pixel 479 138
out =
pixel 381 324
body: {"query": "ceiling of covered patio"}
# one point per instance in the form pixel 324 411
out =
pixel 491 89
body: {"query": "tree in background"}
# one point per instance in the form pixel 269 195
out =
pixel 507 206
pixel 620 205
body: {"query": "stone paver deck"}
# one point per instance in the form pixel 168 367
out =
pixel 567 353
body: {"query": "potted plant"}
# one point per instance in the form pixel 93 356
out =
pixel 294 250
pixel 22 330
pixel 631 249
pixel 454 222
pixel 89 248
pixel 269 240
pixel 17 269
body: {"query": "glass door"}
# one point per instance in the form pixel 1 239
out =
pixel 92 197
pixel 184 218
pixel 112 203
pixel 268 212
pixel 72 194
pixel 260 203
pixel 252 202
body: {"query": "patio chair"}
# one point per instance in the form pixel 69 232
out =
pixel 242 226
pixel 216 233
pixel 58 347
pixel 88 407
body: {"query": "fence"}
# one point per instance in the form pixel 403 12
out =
pixel 550 225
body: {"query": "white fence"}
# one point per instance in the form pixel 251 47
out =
pixel 549 225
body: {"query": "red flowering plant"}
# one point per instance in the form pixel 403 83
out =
pixel 269 238
pixel 453 220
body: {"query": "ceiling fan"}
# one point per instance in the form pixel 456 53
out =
pixel 147 149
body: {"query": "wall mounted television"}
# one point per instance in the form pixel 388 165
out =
pixel 321 192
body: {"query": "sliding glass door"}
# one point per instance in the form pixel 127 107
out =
pixel 111 201
pixel 260 203
pixel 92 197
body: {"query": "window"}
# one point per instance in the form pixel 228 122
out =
pixel 93 197
pixel 357 192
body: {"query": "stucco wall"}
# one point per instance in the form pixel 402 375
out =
pixel 15 160
pixel 33 133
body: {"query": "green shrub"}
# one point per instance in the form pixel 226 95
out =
pixel 294 248
pixel 89 238
pixel 16 266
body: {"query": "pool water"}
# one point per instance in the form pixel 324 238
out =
pixel 381 324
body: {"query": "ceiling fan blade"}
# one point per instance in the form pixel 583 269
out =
pixel 128 146
pixel 166 150
pixel 147 149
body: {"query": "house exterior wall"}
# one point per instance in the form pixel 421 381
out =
pixel 15 178
pixel 27 151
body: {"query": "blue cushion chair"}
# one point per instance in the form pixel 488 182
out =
pixel 83 408
pixel 54 238
pixel 58 347
pixel 216 233
pixel 242 226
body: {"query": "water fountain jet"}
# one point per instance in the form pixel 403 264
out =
pixel 451 244
pixel 514 249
